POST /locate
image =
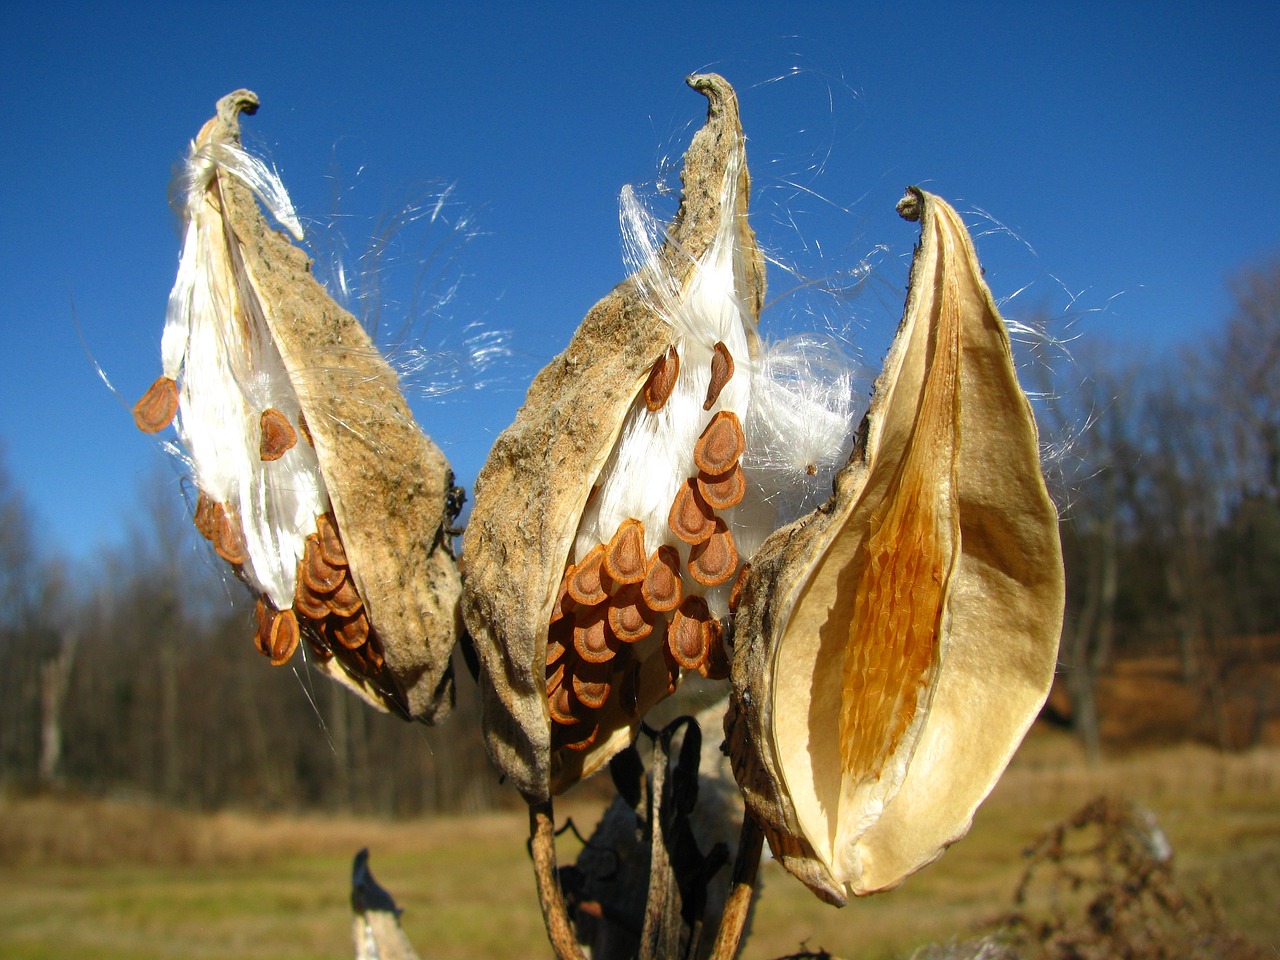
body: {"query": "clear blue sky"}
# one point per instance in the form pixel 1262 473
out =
pixel 1134 146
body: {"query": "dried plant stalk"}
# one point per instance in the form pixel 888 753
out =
pixel 894 646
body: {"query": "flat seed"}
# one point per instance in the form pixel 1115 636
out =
pixel 373 650
pixel 721 371
pixel 735 595
pixel 629 618
pixel 351 632
pixel 331 548
pixel 585 585
pixel 717 664
pixel 319 648
pixel 721 444
pixel 579 736
pixel 564 602
pixel 321 576
pixel 624 559
pixel 555 650
pixel 262 635
pixel 560 704
pixel 227 537
pixel 723 491
pixel 158 405
pixel 206 514
pixel 591 684
pixel 662 379
pixel 278 436
pixel 687 635
pixel 284 637
pixel 662 588
pixel 591 637
pixel 306 601
pixel 691 518
pixel 715 560
pixel 345 601
pixel 304 429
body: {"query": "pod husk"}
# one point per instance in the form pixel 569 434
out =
pixel 531 493
pixel 994 640
pixel 386 480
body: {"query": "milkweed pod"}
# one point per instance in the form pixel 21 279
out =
pixel 573 503
pixel 345 533
pixel 893 647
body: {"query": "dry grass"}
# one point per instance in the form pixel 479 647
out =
pixel 99 879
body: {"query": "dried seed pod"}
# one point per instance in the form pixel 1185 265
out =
pixel 590 423
pixel 891 649
pixel 253 344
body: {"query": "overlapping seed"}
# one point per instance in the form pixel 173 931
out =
pixel 614 599
pixel 327 609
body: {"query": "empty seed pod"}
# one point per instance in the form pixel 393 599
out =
pixel 893 646
pixel 314 480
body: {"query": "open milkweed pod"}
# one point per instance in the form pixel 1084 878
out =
pixel 596 566
pixel 314 480
pixel 893 647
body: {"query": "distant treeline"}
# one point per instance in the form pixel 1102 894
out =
pixel 143 677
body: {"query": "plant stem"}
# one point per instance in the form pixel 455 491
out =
pixel 542 844
pixel 738 904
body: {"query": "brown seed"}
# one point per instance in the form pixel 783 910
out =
pixel 591 684
pixel 564 603
pixel 262 635
pixel 721 444
pixel 284 637
pixel 320 575
pixel 351 632
pixel 585 585
pixel 725 490
pixel 629 618
pixel 591 636
pixel 206 514
pixel 624 559
pixel 688 634
pixel 560 702
pixel 319 646
pixel 691 518
pixel 715 560
pixel 331 548
pixel 577 737
pixel 345 601
pixel 373 651
pixel 227 537
pixel 158 405
pixel 721 371
pixel 662 379
pixel 735 595
pixel 304 429
pixel 662 588
pixel 278 436
pixel 556 647
pixel 306 601
pixel 717 664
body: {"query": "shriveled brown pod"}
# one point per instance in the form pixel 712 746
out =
pixel 893 647
pixel 367 489
pixel 535 515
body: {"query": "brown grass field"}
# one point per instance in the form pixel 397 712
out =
pixel 99 879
